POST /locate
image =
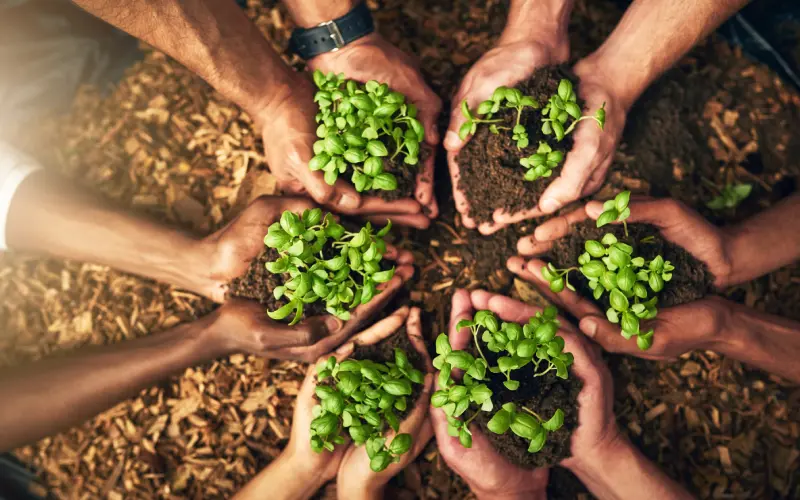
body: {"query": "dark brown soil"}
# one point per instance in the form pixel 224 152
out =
pixel 690 281
pixel 383 352
pixel 491 175
pixel 543 395
pixel 258 283
pixel 406 174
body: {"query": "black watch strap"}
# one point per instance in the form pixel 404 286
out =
pixel 332 35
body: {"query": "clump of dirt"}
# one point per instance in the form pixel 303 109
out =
pixel 543 395
pixel 491 175
pixel 383 352
pixel 690 281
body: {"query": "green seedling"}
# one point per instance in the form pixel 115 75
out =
pixel 535 343
pixel 562 106
pixel 355 123
pixel 732 195
pixel 609 266
pixel 359 399
pixel 541 163
pixel 505 98
pixel 325 262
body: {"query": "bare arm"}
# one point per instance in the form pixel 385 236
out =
pixel 765 242
pixel 620 471
pixel 296 480
pixel 213 38
pixel 651 37
pixel 42 398
pixel 49 216
pixel 545 21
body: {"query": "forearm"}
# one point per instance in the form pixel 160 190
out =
pixel 46 397
pixel 771 343
pixel 310 13
pixel 213 38
pixel 764 242
pixel 543 21
pixel 294 481
pixel 621 472
pixel 49 216
pixel 651 37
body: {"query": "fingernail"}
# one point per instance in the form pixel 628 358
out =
pixel 549 206
pixel 349 201
pixel 451 140
pixel 589 327
pixel 332 324
pixel 344 348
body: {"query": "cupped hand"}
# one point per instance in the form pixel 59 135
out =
pixel 586 165
pixel 488 474
pixel 675 221
pixel 230 250
pixel 355 477
pixel 696 325
pixel 373 58
pixel 289 132
pixel 597 430
pixel 507 64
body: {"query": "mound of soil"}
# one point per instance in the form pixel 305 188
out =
pixel 543 395
pixel 690 281
pixel 491 175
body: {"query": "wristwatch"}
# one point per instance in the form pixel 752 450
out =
pixel 331 36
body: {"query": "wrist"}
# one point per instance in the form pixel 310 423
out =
pixel 197 271
pixel 599 465
pixel 544 22
pixel 370 489
pixel 310 14
pixel 625 83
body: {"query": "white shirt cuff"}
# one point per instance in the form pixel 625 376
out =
pixel 14 168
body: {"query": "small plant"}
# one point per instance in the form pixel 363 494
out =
pixel 610 267
pixel 535 343
pixel 502 97
pixel 541 163
pixel 563 105
pixel 730 197
pixel 325 262
pixel 359 399
pixel 355 123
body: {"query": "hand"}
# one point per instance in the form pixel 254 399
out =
pixel 289 133
pixel 593 150
pixel 506 64
pixel 373 58
pixel 487 473
pixel 597 431
pixel 355 478
pixel 231 249
pixel 697 325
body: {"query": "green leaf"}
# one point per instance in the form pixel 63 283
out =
pixel 334 403
pixel 383 276
pixel 324 391
pixel 594 248
pixel 325 425
pixel 464 130
pixel 500 422
pixel 645 340
pixel 572 109
pixel 593 269
pixel 626 278
pixel 630 323
pixel 465 110
pixel 283 311
pixel 380 461
pixel 607 217
pixel 561 368
pixel 439 399
pixel 377 148
pixel 524 425
pixel 564 89
pixel 444 375
pixel 557 285
pixel 443 344
pixel 400 444
pixel 656 282
pixel 335 263
pixel 457 393
pixel 545 332
pixel 511 385
pixel 558 129
pixel 618 257
pixel 385 181
pixel 465 438
pixel 537 443
pixel 398 387
pixel 480 393
pixel 621 201
pixel 477 370
pixel 618 300
pixel 460 359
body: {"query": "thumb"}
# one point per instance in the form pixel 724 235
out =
pixel 461 309
pixel 607 335
pixel 452 139
pixel 340 196
pixel 662 213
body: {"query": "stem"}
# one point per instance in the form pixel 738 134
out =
pixel 572 126
pixel 470 419
pixel 478 345
pixel 625 227
pixel 399 148
pixel 533 413
pixel 477 120
pixel 519 114
pixel 544 372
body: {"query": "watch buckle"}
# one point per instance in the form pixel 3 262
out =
pixel 335 34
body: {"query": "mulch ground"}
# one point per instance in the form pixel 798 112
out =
pixel 164 143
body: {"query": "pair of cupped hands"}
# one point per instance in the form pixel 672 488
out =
pixel 290 130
